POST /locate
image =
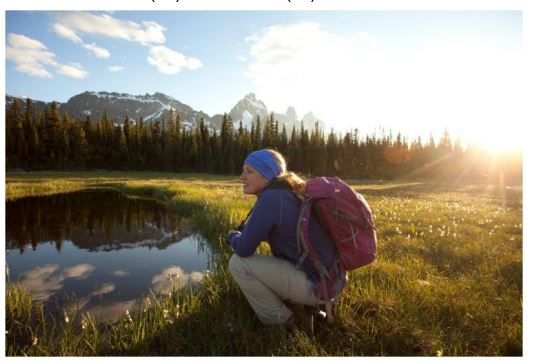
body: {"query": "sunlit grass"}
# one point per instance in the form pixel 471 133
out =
pixel 447 281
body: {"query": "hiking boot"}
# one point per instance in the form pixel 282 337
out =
pixel 317 317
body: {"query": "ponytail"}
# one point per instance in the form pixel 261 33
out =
pixel 297 184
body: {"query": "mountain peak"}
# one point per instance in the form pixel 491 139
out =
pixel 247 110
pixel 250 97
pixel 290 114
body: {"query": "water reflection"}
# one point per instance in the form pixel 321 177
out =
pixel 92 220
pixel 174 277
pixel 45 281
pixel 106 249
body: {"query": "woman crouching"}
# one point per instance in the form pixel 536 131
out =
pixel 266 281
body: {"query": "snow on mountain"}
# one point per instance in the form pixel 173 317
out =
pixel 162 107
pixel 246 119
pixel 249 108
pixel 38 106
pixel 148 108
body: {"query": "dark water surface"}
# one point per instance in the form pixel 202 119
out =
pixel 105 248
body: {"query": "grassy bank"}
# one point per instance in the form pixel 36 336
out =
pixel 447 281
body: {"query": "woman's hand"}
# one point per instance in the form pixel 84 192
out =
pixel 231 233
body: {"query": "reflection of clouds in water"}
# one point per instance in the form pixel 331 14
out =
pixel 105 288
pixel 79 271
pixel 174 276
pixel 112 312
pixel 120 273
pixel 43 282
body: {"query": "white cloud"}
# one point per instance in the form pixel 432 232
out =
pixel 116 68
pixel 68 33
pixel 300 65
pixel 170 62
pixel 351 81
pixel 30 55
pixel 22 41
pixel 367 38
pixel 73 70
pixel 148 33
pixel 97 51
pixel 240 58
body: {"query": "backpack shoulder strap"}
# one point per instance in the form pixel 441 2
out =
pixel 302 233
pixel 274 185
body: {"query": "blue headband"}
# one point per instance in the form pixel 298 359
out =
pixel 263 162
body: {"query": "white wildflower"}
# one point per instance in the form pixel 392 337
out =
pixel 128 314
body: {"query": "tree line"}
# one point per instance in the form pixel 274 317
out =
pixel 50 141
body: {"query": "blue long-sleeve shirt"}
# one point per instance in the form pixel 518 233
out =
pixel 274 219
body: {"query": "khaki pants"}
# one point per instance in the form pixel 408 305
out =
pixel 266 281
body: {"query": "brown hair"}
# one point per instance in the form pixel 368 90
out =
pixel 297 184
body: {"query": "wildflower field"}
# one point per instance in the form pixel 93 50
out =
pixel 447 280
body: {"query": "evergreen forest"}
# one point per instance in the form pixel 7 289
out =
pixel 50 141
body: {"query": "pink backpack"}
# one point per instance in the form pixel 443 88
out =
pixel 346 216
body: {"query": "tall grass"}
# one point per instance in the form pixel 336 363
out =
pixel 447 281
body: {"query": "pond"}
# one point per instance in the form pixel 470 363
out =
pixel 100 248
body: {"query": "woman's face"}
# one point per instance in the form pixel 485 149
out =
pixel 252 181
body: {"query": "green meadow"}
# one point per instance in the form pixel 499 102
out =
pixel 447 280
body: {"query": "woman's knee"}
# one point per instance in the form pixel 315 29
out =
pixel 235 263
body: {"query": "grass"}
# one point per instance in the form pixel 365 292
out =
pixel 447 281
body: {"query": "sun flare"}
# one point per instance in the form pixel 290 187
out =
pixel 494 140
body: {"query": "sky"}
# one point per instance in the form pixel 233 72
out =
pixel 414 72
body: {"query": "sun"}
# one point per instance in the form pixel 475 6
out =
pixel 494 140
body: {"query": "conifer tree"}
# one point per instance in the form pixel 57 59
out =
pixel 52 135
pixel 16 141
pixel 332 167
pixel 226 136
pixel 256 135
pixel 78 147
